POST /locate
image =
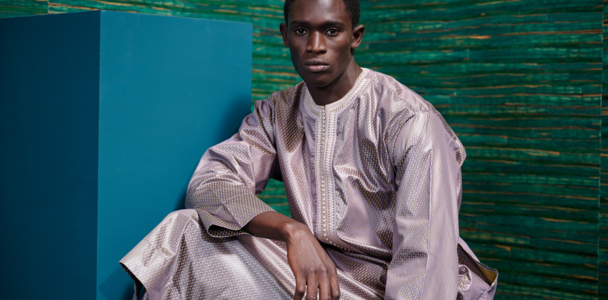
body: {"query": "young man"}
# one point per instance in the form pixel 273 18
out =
pixel 372 176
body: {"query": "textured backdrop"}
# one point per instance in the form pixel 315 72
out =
pixel 520 81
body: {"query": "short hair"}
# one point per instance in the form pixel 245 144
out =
pixel 352 7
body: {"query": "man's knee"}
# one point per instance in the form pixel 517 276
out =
pixel 181 217
pixel 188 212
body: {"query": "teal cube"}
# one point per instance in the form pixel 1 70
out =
pixel 103 119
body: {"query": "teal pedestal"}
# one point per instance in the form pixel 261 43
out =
pixel 103 119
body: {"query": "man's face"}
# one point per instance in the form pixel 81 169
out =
pixel 320 38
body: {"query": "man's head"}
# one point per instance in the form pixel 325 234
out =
pixel 321 38
pixel 352 7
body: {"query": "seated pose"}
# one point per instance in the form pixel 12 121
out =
pixel 372 176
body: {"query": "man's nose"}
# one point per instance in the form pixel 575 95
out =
pixel 316 43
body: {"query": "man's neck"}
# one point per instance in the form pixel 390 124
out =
pixel 337 89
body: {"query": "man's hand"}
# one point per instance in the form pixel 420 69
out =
pixel 310 264
pixel 314 271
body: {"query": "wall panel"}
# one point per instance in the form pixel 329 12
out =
pixel 18 8
pixel 520 83
pixel 603 228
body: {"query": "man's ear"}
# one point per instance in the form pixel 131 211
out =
pixel 357 36
pixel 283 28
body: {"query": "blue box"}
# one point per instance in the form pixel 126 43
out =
pixel 103 119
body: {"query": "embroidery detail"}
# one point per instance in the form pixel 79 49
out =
pixel 464 278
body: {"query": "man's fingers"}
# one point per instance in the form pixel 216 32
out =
pixel 324 288
pixel 313 287
pixel 335 287
pixel 300 288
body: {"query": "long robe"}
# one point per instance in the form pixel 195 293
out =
pixel 375 176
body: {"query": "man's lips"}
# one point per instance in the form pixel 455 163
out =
pixel 316 65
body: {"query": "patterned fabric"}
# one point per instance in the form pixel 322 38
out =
pixel 375 176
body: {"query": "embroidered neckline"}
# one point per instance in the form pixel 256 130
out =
pixel 314 109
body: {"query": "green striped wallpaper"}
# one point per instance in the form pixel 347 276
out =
pixel 520 81
pixel 18 8
pixel 603 220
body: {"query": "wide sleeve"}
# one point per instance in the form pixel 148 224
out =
pixel 224 186
pixel 427 158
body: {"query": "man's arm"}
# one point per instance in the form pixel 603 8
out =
pixel 312 267
pixel 223 192
pixel 425 232
pixel 224 186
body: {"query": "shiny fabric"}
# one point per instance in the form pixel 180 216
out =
pixel 375 176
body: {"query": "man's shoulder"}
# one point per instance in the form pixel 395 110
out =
pixel 399 105
pixel 392 93
pixel 286 96
pixel 392 96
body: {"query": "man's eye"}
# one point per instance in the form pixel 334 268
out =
pixel 332 31
pixel 300 31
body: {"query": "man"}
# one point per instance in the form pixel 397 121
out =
pixel 372 176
